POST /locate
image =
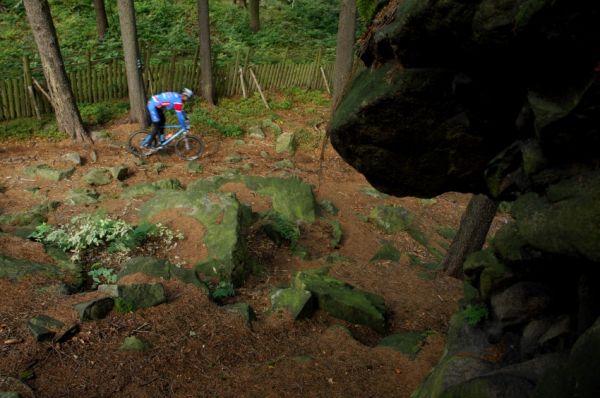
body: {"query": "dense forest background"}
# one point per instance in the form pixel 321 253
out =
pixel 292 30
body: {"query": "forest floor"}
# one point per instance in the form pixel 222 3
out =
pixel 198 349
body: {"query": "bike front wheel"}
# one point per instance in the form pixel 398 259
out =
pixel 189 147
pixel 134 143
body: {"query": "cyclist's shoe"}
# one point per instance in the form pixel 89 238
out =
pixel 147 143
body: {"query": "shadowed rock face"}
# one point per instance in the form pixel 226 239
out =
pixel 487 96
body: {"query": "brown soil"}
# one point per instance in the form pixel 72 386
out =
pixel 199 349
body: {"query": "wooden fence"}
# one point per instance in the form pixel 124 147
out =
pixel 100 82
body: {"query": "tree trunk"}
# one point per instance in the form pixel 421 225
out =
pixel 253 10
pixel 133 63
pixel 101 20
pixel 344 49
pixel 63 100
pixel 474 226
pixel 206 76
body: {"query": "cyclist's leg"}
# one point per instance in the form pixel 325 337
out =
pixel 155 114
pixel 161 126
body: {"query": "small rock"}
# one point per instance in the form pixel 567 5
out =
pixel 132 343
pixel 520 302
pixel 285 143
pixel 97 177
pixel 239 143
pixel 265 155
pixel 93 156
pixel 233 159
pixel 142 295
pixel 119 172
pixel 243 309
pixel 94 309
pixel 297 301
pixel 82 196
pixel 73 157
pixel 256 132
pixel 283 164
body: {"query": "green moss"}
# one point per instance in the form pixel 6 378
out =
pixel 151 188
pixel 297 301
pixel 391 219
pixel 387 251
pixel 342 300
pixel 16 269
pixel 408 343
pixel 32 217
pixel 446 232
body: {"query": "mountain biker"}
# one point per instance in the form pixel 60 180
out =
pixel 169 101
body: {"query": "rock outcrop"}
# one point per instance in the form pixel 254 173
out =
pixel 499 97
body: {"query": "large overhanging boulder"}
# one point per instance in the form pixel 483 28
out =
pixel 473 96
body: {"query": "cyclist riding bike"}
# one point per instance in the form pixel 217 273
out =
pixel 169 101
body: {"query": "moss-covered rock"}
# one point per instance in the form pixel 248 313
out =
pixel 147 188
pixel 99 176
pixel 94 309
pixel 33 217
pixel 149 266
pixel 486 271
pixel 408 343
pixel 391 219
pixel 286 143
pixel 142 295
pixel 118 172
pixel 16 269
pixel 48 173
pixel 297 302
pixel 291 197
pixel 132 343
pixel 221 216
pixel 387 251
pixel 342 300
pixel 566 222
pixel 82 196
pixel 243 309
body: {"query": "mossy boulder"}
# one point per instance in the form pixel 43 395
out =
pixel 566 221
pixel 82 196
pixel 147 188
pixel 286 143
pixel 32 217
pixel 100 176
pixel 142 295
pixel 159 268
pixel 492 386
pixel 297 302
pixel 242 309
pixel 483 269
pixel 94 309
pixel 48 173
pixel 119 172
pixel 342 300
pixel 391 219
pixel 408 343
pixel 16 269
pixel 222 217
pixel 133 343
pixel 291 197
pixel 43 327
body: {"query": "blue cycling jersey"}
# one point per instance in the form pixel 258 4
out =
pixel 170 101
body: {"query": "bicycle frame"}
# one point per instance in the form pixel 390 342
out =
pixel 180 132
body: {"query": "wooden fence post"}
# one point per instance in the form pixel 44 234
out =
pixel 258 87
pixel 29 86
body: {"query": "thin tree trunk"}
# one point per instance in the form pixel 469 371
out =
pixel 254 13
pixel 101 20
pixel 63 100
pixel 206 77
pixel 344 49
pixel 474 226
pixel 133 63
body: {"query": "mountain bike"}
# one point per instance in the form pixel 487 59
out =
pixel 187 146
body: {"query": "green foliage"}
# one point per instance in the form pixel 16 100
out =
pixel 446 232
pixel 475 313
pixel 123 306
pixel 28 128
pixel 102 275
pixel 87 231
pixel 166 28
pixel 102 112
pixel 367 8
pixel 287 229
pixel 222 291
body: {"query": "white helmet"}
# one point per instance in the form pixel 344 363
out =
pixel 187 92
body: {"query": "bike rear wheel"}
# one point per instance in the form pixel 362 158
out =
pixel 189 147
pixel 134 144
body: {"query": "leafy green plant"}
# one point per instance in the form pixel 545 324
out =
pixel 102 112
pixel 222 290
pixel 87 231
pixel 123 306
pixel 475 313
pixel 102 275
